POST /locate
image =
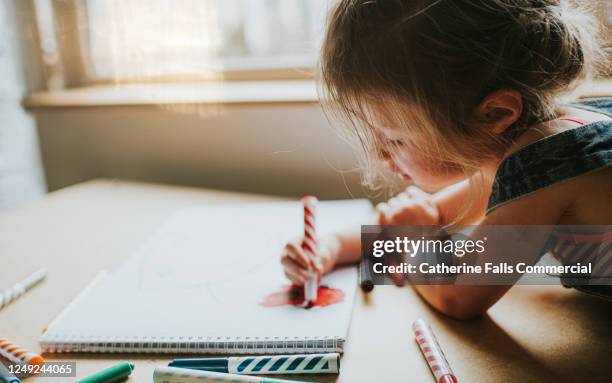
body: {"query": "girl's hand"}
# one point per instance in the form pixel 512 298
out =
pixel 411 207
pixel 296 263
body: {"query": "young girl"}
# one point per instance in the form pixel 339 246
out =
pixel 461 97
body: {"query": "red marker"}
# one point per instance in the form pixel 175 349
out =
pixel 310 247
pixel 433 352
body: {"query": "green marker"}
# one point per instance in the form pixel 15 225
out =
pixel 114 374
pixel 6 376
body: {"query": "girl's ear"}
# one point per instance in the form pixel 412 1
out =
pixel 501 109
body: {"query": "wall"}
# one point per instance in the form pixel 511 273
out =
pixel 21 177
pixel 277 149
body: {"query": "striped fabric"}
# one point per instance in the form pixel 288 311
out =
pixel 572 248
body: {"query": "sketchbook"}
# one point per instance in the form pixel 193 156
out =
pixel 210 281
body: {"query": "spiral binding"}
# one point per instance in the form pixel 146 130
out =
pixel 192 345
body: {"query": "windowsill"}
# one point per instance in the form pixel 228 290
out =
pixel 231 92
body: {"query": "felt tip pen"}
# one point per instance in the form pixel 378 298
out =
pixel 113 374
pixel 365 275
pixel 274 364
pixel 12 293
pixel 18 355
pixel 310 247
pixel 184 375
pixel 433 352
pixel 6 376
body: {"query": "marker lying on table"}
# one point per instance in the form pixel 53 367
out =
pixel 16 354
pixel 113 374
pixel 365 274
pixel 18 289
pixel 277 364
pixel 6 376
pixel 184 375
pixel 433 352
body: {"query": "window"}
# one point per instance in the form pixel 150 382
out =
pixel 108 41
pixel 147 40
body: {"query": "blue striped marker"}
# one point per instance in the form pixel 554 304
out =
pixel 270 364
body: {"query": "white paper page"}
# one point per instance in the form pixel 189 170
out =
pixel 206 273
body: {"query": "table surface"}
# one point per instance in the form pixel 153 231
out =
pixel 535 333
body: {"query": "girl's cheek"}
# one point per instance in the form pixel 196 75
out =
pixel 430 177
pixel 410 164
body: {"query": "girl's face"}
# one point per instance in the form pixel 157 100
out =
pixel 408 160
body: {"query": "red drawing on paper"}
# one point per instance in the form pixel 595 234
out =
pixel 294 296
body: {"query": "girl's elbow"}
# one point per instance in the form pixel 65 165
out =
pixel 461 302
pixel 457 308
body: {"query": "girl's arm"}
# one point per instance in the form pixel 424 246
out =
pixel 542 208
pixel 411 207
pixel 337 249
pixel 347 246
pixel 462 203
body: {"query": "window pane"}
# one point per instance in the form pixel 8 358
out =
pixel 149 38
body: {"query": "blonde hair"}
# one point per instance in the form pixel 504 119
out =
pixel 423 66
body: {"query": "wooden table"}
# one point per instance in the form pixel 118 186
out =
pixel 534 334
